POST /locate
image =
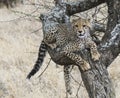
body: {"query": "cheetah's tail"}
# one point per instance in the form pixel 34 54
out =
pixel 40 59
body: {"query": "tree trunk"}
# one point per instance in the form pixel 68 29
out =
pixel 96 80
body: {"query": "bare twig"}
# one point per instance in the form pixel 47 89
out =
pixel 76 81
pixel 35 31
pixel 78 89
pixel 45 68
pixel 31 52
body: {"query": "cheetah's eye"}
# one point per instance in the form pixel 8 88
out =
pixel 84 25
pixel 76 25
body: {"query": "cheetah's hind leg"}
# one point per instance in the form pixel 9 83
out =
pixel 67 78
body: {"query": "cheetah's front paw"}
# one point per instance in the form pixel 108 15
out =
pixel 96 56
pixel 85 66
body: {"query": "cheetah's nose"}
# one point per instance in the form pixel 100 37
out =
pixel 80 31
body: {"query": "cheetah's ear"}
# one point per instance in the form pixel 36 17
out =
pixel 41 17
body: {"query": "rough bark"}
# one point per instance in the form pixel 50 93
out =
pixel 110 53
pixel 96 80
pixel 113 16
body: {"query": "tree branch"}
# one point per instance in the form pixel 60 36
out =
pixel 113 16
pixel 80 6
pixel 111 48
pixel 115 36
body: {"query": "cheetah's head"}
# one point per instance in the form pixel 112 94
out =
pixel 82 26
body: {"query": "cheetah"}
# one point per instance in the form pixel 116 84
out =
pixel 77 25
pixel 69 42
pixel 53 43
pixel 82 26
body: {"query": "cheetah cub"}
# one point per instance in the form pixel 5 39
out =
pixel 68 40
pixel 83 28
